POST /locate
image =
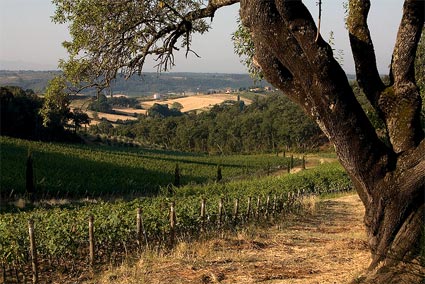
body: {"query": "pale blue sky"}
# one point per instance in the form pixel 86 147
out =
pixel 29 40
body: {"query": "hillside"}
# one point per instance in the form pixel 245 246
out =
pixel 65 170
pixel 147 84
pixel 76 182
pixel 35 80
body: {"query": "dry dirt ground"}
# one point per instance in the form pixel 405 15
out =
pixel 325 245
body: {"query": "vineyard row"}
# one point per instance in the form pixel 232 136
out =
pixel 61 233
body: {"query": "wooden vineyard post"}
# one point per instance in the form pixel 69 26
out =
pixel 139 226
pixel 290 201
pixel 258 207
pixel 274 208
pixel 266 213
pixel 91 240
pixel 140 230
pixel 248 210
pixel 172 224
pixel 236 211
pixel 203 215
pixel 33 250
pixel 303 163
pixel 220 212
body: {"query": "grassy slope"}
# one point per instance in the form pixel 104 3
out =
pixel 77 170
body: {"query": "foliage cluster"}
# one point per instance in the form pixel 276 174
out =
pixel 162 111
pixel 106 105
pixel 19 113
pixel 121 101
pixel 26 115
pixel 101 104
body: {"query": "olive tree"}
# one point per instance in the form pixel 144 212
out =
pixel 111 36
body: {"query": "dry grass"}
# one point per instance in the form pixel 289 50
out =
pixel 326 244
pixel 196 102
pixel 109 117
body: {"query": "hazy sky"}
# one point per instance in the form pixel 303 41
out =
pixel 29 40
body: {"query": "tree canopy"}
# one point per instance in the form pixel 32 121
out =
pixel 111 36
pixel 19 113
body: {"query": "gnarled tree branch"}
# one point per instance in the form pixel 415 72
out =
pixel 363 51
pixel 401 104
pixel 286 32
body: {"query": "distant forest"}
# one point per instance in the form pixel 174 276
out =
pixel 269 124
pixel 144 85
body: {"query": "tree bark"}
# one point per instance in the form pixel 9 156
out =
pixel 389 177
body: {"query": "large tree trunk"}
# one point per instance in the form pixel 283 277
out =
pixel 389 177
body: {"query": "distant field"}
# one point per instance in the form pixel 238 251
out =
pixel 197 102
pixel 110 117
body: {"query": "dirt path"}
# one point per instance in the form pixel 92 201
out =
pixel 327 246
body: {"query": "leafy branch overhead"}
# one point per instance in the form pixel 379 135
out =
pixel 110 36
pixel 245 49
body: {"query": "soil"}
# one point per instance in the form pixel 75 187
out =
pixel 324 245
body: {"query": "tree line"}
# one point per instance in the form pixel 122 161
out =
pixel 23 114
pixel 268 124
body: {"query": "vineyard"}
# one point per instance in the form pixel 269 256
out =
pixel 70 171
pixel 73 237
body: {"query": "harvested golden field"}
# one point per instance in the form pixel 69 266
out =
pixel 196 102
pixel 130 111
pixel 326 245
pixel 109 117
